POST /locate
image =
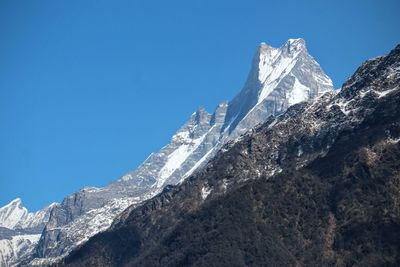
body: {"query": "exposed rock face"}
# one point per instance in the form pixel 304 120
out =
pixel 279 78
pixel 316 186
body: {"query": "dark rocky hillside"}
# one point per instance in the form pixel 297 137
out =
pixel 317 186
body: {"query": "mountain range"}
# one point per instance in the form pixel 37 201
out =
pixel 315 186
pixel 286 118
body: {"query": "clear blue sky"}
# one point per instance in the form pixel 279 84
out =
pixel 89 88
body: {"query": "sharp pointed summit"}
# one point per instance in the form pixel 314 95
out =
pixel 12 214
pixel 279 78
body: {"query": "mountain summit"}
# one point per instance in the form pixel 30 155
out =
pixel 15 216
pixel 279 78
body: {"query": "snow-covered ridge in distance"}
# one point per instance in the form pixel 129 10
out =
pixel 15 216
pixel 20 230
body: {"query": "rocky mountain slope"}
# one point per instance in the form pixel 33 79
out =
pixel 20 230
pixel 279 77
pixel 317 186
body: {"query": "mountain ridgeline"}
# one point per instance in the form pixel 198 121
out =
pixel 289 172
pixel 20 230
pixel 278 79
pixel 318 185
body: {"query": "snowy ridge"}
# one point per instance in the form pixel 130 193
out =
pixel 15 216
pixel 178 156
pixel 22 230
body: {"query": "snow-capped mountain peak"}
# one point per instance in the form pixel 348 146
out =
pixel 274 64
pixel 268 54
pixel 279 77
pixel 15 216
pixel 12 214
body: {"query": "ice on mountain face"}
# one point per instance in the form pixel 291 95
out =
pixel 299 93
pixel 176 158
pixel 272 70
pixel 279 78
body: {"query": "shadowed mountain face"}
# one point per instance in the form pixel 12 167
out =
pixel 317 186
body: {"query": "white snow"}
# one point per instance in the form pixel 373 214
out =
pixel 343 106
pixel 198 163
pixel 272 71
pixel 272 124
pixel 299 151
pixel 129 176
pixel 378 93
pixel 384 93
pixel 275 171
pixel 91 189
pixel 224 185
pixel 205 191
pixel 94 221
pixel 325 80
pixel 177 157
pixel 15 216
pixel 299 93
pixel 183 135
pixel 126 177
pixel 34 219
pixel 394 140
pixel 16 247
pixel 12 214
